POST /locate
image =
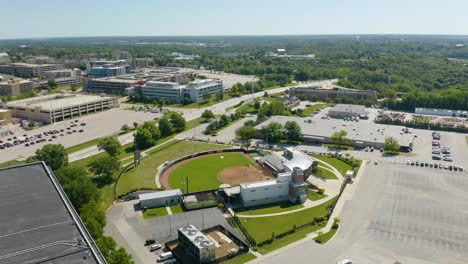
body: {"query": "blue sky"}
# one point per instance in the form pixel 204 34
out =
pixel 65 18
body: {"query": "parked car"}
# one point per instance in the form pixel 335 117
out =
pixel 168 255
pixel 155 247
pixel 345 261
pixel 149 242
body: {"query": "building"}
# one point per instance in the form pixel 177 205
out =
pixel 5 117
pixel 161 198
pixel 197 245
pixel 62 73
pixel 15 86
pixel 67 80
pixel 58 107
pixel 107 68
pixel 111 85
pixel 332 92
pixel 4 58
pixel 348 111
pixel 39 223
pixel 440 112
pixel 196 89
pixel 168 91
pixel 121 55
pixel 289 101
pixel 28 69
pixel 140 63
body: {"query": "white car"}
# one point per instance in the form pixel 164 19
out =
pixel 345 261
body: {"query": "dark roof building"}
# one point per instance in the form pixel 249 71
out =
pixel 38 223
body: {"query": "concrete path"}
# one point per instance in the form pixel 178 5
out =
pixel 169 211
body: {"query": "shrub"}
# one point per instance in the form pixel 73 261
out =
pixel 320 191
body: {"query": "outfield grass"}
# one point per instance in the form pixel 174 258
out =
pixel 261 228
pixel 325 173
pixel 241 259
pixel 176 209
pixel 314 196
pixel 311 109
pixel 155 212
pixel 341 166
pixel 144 174
pixel 268 208
pixel 203 172
pixel 321 239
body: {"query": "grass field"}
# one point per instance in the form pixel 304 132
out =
pixel 144 174
pixel 155 212
pixel 268 208
pixel 261 228
pixel 341 166
pixel 241 259
pixel 325 173
pixel 314 196
pixel 311 109
pixel 11 163
pixel 326 236
pixel 176 209
pixel 202 173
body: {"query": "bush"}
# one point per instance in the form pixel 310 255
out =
pixel 222 207
pixel 320 191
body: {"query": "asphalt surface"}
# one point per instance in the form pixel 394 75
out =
pixel 398 214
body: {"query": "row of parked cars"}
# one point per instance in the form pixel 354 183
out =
pixel 438 152
pixel 165 257
pixel 434 165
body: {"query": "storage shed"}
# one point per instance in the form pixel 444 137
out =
pixel 161 198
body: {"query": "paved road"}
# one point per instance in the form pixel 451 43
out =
pixel 399 214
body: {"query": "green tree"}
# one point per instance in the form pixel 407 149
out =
pixel 178 122
pixel 74 87
pixel 125 128
pixel 147 135
pixel 106 245
pixel 165 127
pixel 272 132
pixel 223 120
pixel 119 256
pixel 52 84
pixel 339 138
pixel 105 167
pixel 293 131
pixel 111 145
pixel 246 132
pixel 391 145
pixel 77 185
pixel 219 96
pixel 54 155
pixel 207 114
pixel 256 104
pixel 32 124
pixel 206 97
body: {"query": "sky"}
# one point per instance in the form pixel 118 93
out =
pixel 66 18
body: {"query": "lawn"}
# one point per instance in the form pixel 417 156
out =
pixel 323 238
pixel 314 196
pixel 261 228
pixel 268 208
pixel 241 259
pixel 176 209
pixel 11 163
pixel 144 174
pixel 325 173
pixel 202 104
pixel 127 151
pixel 341 166
pixel 155 212
pixel 203 172
pixel 311 109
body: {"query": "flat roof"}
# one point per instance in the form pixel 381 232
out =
pixel 31 64
pixel 57 101
pixel 349 108
pixel 258 184
pixel 38 222
pixel 299 159
pixel 160 194
pixel 364 130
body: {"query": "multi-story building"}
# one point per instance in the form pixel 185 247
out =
pixel 196 89
pixel 168 91
pixel 58 107
pixel 4 58
pixel 108 68
pixel 5 117
pixel 121 55
pixel 140 62
pixel 112 85
pixel 315 93
pixel 27 69
pixel 62 73
pixel 196 244
pixel 15 86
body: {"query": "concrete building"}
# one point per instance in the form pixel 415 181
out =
pixel 39 223
pixel 169 91
pixel 196 244
pixel 440 112
pixel 196 89
pixel 15 86
pixel 348 111
pixel 58 107
pixel 4 58
pixel 107 68
pixel 140 63
pixel 5 117
pixel 28 69
pixel 62 73
pixel 160 198
pixel 111 85
pixel 121 55
pixel 332 92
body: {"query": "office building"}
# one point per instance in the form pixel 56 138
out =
pixel 440 112
pixel 58 107
pixel 140 63
pixel 5 117
pixel 4 58
pixel 50 75
pixel 196 244
pixel 332 92
pixel 111 85
pixel 107 68
pixel 121 55
pixel 15 86
pixel 28 69
pixel 160 198
pixel 348 111
pixel 39 223
pixel 169 91
pixel 196 89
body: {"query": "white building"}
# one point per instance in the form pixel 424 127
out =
pixel 264 192
pixel 440 112
pixel 4 58
pixel 175 93
pixel 121 55
pixel 159 199
pixel 198 88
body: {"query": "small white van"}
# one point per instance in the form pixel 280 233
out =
pixel 164 256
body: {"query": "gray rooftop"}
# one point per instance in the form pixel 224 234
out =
pixel 38 222
pixel 160 194
pixel 348 108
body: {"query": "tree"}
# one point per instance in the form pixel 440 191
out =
pixel 272 132
pixel 147 135
pixel 246 132
pixel 74 87
pixel 293 131
pixel 106 167
pixel 77 185
pixel 165 127
pixel 125 128
pixel 207 114
pixel 31 124
pixel 219 96
pixel 54 155
pixel 52 84
pixel 178 122
pixel 135 124
pixel 391 145
pixel 119 256
pixel 206 97
pixel 339 138
pixel 256 104
pixel 186 101
pixel 223 120
pixel 106 245
pixel 111 145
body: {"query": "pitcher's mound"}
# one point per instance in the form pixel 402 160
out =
pixel 241 174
